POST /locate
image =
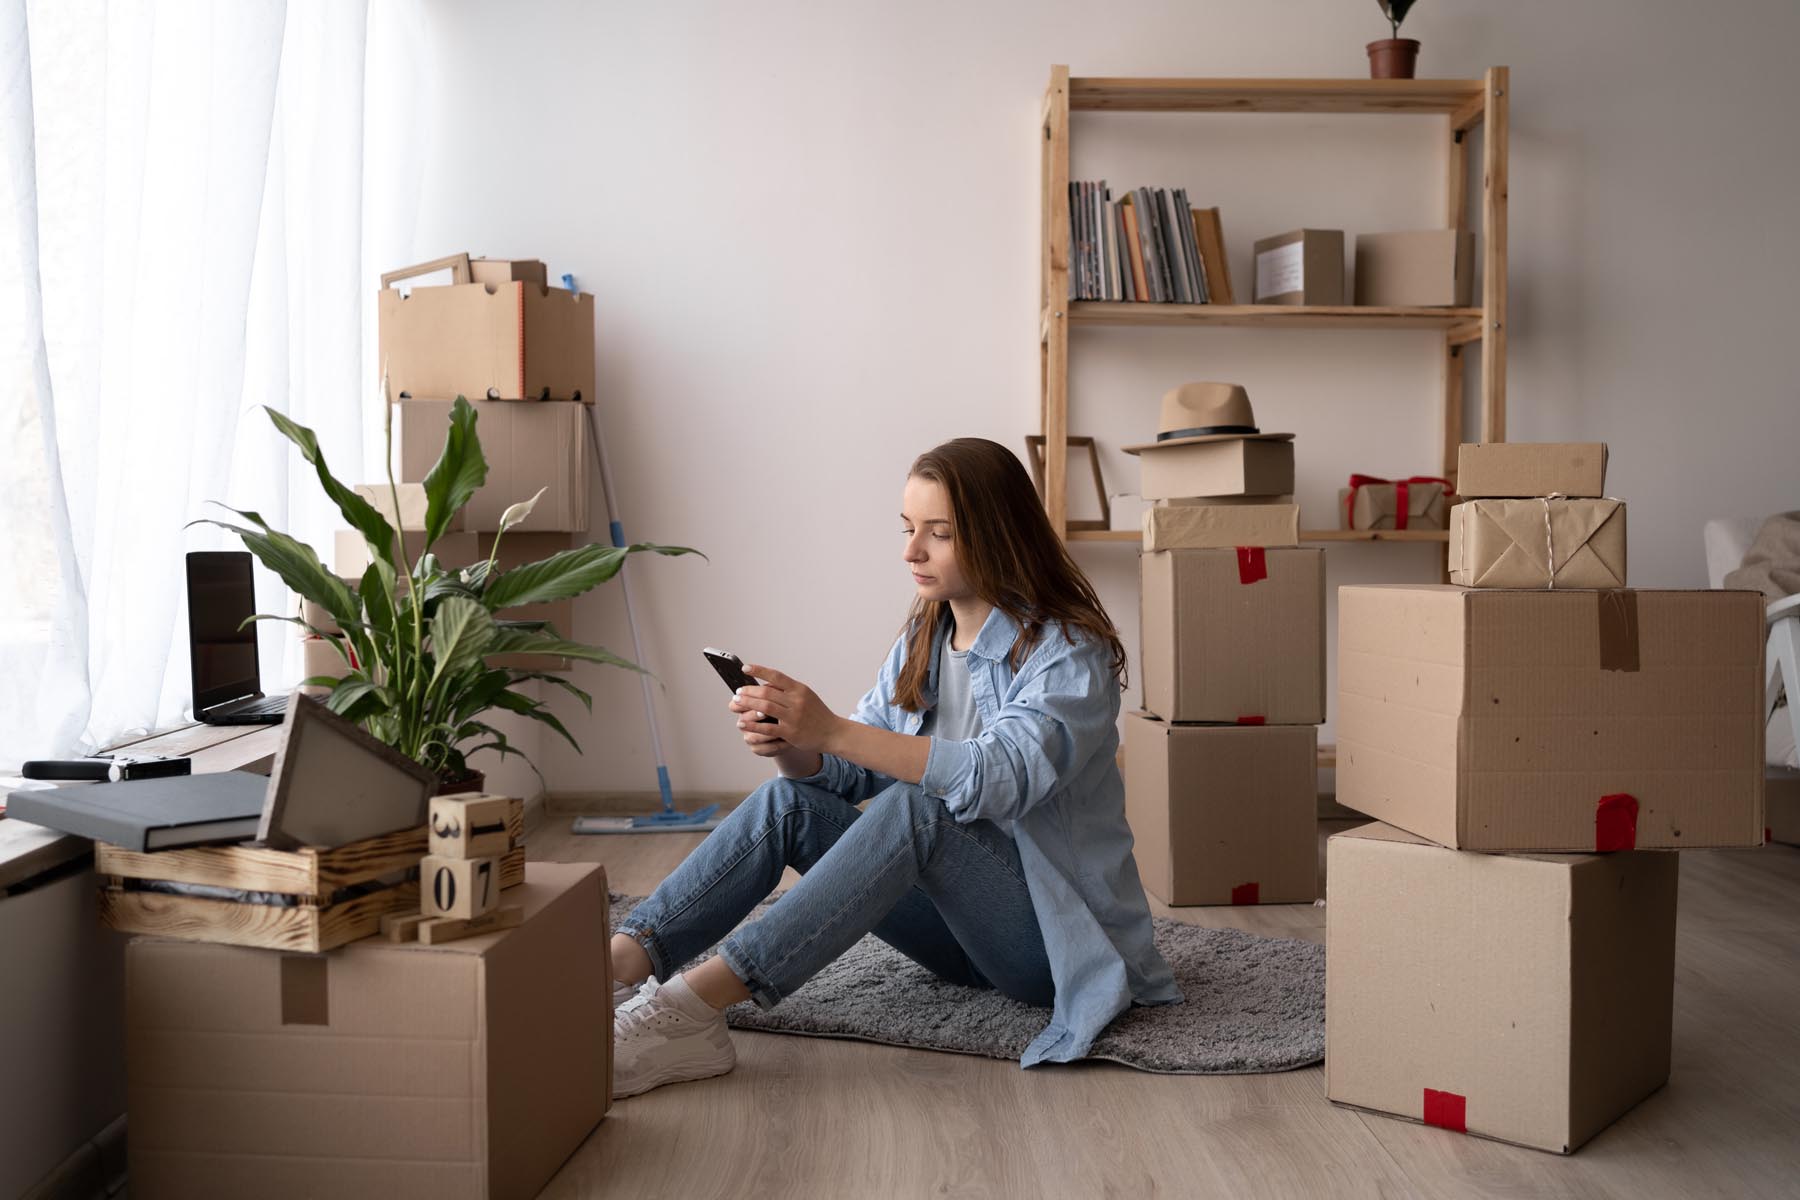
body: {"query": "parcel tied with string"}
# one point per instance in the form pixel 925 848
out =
pixel 1546 542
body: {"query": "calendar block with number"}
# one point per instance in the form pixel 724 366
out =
pixel 470 826
pixel 458 887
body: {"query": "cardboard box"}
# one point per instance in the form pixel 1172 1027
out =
pixel 1223 814
pixel 1423 268
pixel 1517 543
pixel 320 656
pixel 1302 267
pixel 1512 470
pixel 1216 501
pixel 1206 526
pixel 469 1069
pixel 488 341
pixel 527 447
pixel 1232 467
pixel 1378 506
pixel 411 513
pixel 1526 998
pixel 350 553
pixel 1781 791
pixel 1232 635
pixel 1518 721
pixel 508 270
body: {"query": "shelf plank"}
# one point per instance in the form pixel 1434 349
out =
pixel 1463 97
pixel 1306 535
pixel 1278 316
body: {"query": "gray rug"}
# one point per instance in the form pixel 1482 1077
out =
pixel 1254 1004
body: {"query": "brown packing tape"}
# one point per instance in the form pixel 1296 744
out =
pixel 1618 629
pixel 305 991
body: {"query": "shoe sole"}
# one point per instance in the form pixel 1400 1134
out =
pixel 683 1073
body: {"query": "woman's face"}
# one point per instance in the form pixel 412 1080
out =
pixel 930 541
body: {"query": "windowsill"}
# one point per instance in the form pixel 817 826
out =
pixel 29 851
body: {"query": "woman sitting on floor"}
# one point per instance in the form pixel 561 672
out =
pixel 993 850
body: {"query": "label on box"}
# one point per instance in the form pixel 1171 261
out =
pixel 1281 270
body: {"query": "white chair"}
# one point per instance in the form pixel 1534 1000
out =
pixel 1727 541
pixel 1783 668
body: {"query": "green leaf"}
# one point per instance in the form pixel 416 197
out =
pixel 461 632
pixel 298 567
pixel 359 512
pixel 355 698
pixel 522 676
pixel 377 591
pixel 563 575
pixel 478 697
pixel 526 706
pixel 458 473
pixel 511 640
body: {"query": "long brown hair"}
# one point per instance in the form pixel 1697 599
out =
pixel 1010 556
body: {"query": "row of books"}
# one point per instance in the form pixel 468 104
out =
pixel 1149 246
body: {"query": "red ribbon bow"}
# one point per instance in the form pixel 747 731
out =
pixel 1400 495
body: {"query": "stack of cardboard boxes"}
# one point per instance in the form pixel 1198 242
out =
pixel 522 353
pixel 1221 767
pixel 1501 949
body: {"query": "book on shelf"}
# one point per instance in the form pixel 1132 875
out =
pixel 1149 246
pixel 1211 238
pixel 1134 251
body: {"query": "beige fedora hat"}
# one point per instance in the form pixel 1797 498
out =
pixel 1206 412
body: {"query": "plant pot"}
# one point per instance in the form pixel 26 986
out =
pixel 471 781
pixel 1393 58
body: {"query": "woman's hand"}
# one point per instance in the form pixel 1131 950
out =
pixel 802 721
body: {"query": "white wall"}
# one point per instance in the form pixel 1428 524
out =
pixel 812 231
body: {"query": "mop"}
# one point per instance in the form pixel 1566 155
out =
pixel 667 819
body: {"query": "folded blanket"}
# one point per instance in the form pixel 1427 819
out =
pixel 1772 565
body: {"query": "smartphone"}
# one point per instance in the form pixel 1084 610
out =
pixel 731 669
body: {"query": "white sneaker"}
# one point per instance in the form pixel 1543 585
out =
pixel 658 1038
pixel 623 992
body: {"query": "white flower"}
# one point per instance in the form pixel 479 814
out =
pixel 518 512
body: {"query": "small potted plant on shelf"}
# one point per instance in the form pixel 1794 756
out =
pixel 1393 57
pixel 417 633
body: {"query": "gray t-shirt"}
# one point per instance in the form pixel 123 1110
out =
pixel 955 716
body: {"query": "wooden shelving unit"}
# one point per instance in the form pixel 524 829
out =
pixel 1464 104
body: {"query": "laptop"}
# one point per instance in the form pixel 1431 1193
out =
pixel 222 659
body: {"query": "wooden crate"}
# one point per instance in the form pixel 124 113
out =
pixel 312 925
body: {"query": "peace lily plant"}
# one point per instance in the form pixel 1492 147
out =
pixel 416 633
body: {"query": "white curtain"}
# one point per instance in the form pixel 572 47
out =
pixel 182 214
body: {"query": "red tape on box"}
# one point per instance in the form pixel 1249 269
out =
pixel 1446 1110
pixel 1251 720
pixel 1615 822
pixel 1246 893
pixel 1253 564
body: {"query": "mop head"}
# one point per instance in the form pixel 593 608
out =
pixel 701 820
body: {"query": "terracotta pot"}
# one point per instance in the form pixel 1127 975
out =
pixel 1392 58
pixel 473 781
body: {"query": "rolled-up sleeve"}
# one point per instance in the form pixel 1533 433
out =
pixel 843 777
pixel 1057 716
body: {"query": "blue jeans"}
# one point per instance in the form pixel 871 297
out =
pixel 950 897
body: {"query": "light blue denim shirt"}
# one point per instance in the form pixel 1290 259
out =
pixel 1043 768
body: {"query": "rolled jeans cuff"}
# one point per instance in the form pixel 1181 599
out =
pixel 652 945
pixel 733 955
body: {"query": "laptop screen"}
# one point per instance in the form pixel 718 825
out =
pixel 220 597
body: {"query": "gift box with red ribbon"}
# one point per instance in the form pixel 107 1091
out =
pixel 1416 502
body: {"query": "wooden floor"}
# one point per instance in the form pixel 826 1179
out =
pixel 805 1117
